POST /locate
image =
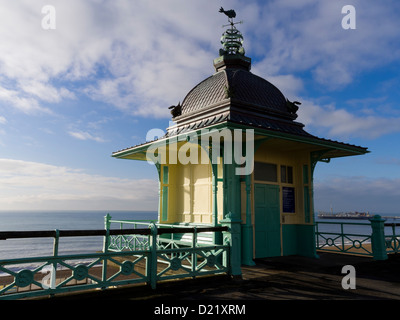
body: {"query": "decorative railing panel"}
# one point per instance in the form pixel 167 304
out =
pixel 341 240
pixel 181 250
pixel 129 256
pixel 386 235
pixel 192 262
pixel 392 237
pixel 70 273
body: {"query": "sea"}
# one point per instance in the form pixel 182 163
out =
pixel 94 220
pixel 61 220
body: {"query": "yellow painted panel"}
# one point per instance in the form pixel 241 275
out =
pixel 201 198
pixel 295 155
pixel 206 218
pixel 187 218
pixel 190 193
pixel 201 174
pixel 197 218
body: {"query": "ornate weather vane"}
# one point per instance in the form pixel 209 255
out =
pixel 232 39
pixel 231 14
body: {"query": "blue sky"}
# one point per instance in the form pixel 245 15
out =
pixel 108 72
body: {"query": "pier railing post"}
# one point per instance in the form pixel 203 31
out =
pixel 152 258
pixel 378 238
pixel 233 235
pixel 247 229
pixel 106 243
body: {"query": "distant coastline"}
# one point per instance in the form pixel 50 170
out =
pixel 351 215
pixel 345 215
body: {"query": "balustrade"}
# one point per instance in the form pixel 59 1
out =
pixel 129 256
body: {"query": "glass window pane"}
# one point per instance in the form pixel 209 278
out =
pixel 289 174
pixel 283 173
pixel 265 172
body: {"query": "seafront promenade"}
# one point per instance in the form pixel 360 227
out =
pixel 279 278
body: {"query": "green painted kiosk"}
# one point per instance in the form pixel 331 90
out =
pixel 236 153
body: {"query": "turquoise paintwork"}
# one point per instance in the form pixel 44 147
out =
pixel 298 239
pixel 247 229
pixel 233 238
pixel 378 238
pixel 267 221
pixel 191 258
pixel 356 243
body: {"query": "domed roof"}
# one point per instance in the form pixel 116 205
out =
pixel 233 97
pixel 233 87
pixel 238 86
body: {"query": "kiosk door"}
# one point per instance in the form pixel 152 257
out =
pixel 267 221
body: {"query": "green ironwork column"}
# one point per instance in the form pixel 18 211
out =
pixel 217 235
pixel 152 257
pixel 378 238
pixel 106 243
pixel 232 236
pixel 232 218
pixel 247 229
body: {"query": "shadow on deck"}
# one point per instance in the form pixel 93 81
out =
pixel 279 278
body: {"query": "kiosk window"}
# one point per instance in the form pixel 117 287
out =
pixel 286 174
pixel 265 172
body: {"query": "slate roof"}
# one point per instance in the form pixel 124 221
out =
pixel 269 126
pixel 243 86
pixel 231 117
pixel 234 95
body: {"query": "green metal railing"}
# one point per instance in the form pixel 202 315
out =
pixel 168 240
pixel 147 263
pixel 392 238
pixel 183 250
pixel 342 241
pixel 377 243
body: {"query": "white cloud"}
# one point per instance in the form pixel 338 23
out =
pixel 81 135
pixel 379 195
pixel 45 92
pixel 24 104
pixel 3 120
pixel 338 122
pixel 143 56
pixel 32 185
pixel 297 36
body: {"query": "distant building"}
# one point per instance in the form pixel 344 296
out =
pixel 274 202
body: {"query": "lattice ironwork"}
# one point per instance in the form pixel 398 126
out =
pixel 139 256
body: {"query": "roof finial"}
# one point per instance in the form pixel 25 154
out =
pixel 232 39
pixel 232 54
